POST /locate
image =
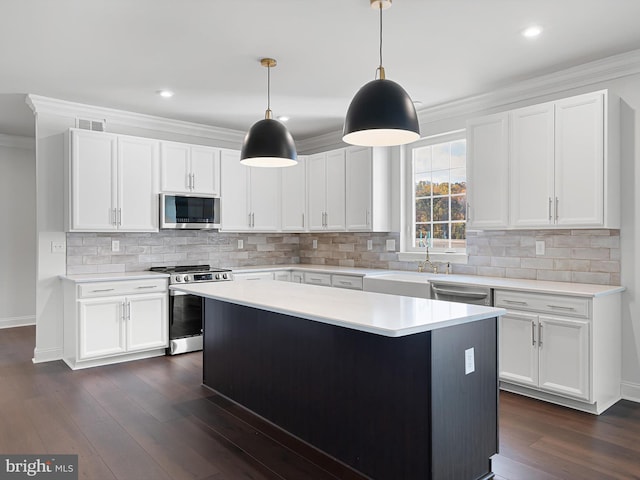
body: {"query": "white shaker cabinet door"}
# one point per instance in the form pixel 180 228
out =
pixel 579 156
pixel 335 219
pixel 264 194
pixel 518 352
pixel 359 178
pixel 488 172
pixel 294 197
pixel 205 171
pixel 147 322
pixel 564 356
pixel 101 330
pixel 234 198
pixel 137 184
pixel 93 181
pixel 175 167
pixel 532 166
pixel 317 191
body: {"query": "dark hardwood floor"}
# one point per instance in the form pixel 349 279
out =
pixel 151 419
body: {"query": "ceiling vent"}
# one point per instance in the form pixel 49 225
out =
pixel 89 124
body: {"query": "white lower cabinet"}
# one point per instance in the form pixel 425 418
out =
pixel 109 322
pixel 561 348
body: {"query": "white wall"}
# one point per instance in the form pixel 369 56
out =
pixel 17 240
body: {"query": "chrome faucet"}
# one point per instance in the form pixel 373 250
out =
pixel 427 261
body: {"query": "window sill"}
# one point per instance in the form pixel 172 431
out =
pixel 440 257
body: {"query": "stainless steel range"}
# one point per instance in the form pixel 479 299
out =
pixel 185 311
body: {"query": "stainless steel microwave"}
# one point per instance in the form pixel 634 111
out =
pixel 198 212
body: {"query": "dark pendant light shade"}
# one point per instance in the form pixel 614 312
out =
pixel 381 114
pixel 268 143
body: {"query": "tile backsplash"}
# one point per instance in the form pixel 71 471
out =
pixel 584 256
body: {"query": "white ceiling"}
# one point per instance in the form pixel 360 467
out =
pixel 118 53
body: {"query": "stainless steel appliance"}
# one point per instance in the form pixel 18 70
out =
pixel 183 211
pixel 185 311
pixel 454 292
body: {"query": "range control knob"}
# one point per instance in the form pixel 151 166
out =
pixel 225 276
pixel 187 278
pixel 217 276
pixel 178 278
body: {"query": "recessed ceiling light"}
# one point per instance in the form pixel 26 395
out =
pixel 532 32
pixel 165 93
pixel 283 118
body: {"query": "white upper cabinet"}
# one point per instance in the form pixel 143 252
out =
pixel 188 168
pixel 488 172
pixel 250 197
pixel 563 162
pixel 294 195
pixel 112 183
pixel 368 196
pixel 532 166
pixel 326 191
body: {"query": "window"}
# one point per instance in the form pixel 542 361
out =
pixel 439 193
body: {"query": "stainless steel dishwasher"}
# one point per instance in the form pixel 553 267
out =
pixel 457 292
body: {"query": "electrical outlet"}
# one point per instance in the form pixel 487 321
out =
pixel 469 361
pixel 314 243
pixel 58 247
pixel 391 245
pixel 240 244
pixel 115 245
pixel 369 244
pixel 539 247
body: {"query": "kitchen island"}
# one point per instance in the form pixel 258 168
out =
pixel 395 387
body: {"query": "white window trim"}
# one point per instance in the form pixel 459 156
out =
pixel 406 222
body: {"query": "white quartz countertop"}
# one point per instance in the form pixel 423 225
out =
pixel 104 277
pixel 539 286
pixel 388 315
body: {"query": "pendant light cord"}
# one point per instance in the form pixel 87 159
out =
pixel 380 68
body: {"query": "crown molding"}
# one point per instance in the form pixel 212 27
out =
pixel 54 106
pixel 592 73
pixel 16 141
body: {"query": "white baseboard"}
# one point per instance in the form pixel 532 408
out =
pixel 10 322
pixel 631 391
pixel 48 355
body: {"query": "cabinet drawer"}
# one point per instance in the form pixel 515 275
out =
pixel 317 278
pixel 253 276
pixel 344 281
pixel 553 304
pixel 123 287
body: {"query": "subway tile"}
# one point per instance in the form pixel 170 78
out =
pixel 591 253
pixel 96 259
pixel 537 263
pixel 591 233
pixel 615 279
pixel 591 277
pixel 491 271
pixel 507 262
pixel 163 249
pixel 80 269
pixel 112 268
pixel 557 252
pixel 606 242
pixel 480 260
pixel 525 273
pixel 73 251
pixel 571 241
pixel 553 275
pixel 137 249
pixel 606 266
pixel 571 264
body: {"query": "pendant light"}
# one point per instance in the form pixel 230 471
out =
pixel 268 143
pixel 381 113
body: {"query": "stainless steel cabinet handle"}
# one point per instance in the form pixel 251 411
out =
pixel 103 290
pixel 147 286
pixel 515 302
pixel 303 220
pixel 113 216
pixel 124 311
pixel 533 333
pixel 253 219
pixel 344 282
pixel 557 201
pixel 550 217
pixel 468 212
pixel 560 307
pixel 119 216
pixel 193 181
pixel 249 219
pixel 315 279
pixel 540 335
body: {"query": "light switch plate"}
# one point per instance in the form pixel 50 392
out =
pixel 539 247
pixel 115 245
pixel 240 244
pixel 469 361
pixel 369 244
pixel 58 247
pixel 391 245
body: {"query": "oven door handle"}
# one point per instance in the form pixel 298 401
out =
pixel 176 293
